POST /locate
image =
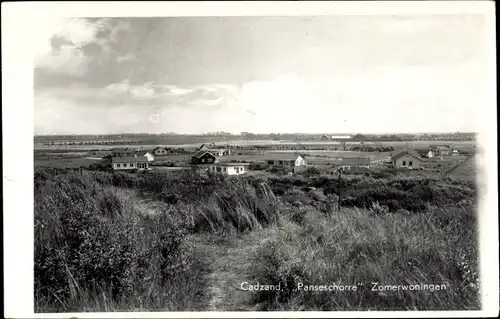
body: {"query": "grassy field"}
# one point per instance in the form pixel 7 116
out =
pixel 174 241
pixel 466 170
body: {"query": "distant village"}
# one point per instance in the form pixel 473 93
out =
pixel 211 159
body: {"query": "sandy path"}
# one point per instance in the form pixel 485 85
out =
pixel 231 264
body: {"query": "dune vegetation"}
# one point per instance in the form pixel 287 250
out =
pixel 176 241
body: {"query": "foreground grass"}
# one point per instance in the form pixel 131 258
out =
pixel 98 249
pixel 357 247
pixel 101 246
pixel 95 252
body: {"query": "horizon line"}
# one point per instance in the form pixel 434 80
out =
pixel 250 133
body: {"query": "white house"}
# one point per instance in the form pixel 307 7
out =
pixel 293 160
pixel 227 168
pixel 123 163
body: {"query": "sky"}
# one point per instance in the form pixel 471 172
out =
pixel 310 74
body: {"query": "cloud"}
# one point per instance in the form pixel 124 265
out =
pixel 60 45
pixel 420 98
pixel 127 108
pixel 69 46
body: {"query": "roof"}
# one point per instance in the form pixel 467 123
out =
pixel 403 153
pixel 122 149
pixel 230 164
pixel 128 159
pixel 158 148
pixel 355 161
pixel 202 146
pixel 201 153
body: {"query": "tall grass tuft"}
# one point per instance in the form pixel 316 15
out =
pixel 238 205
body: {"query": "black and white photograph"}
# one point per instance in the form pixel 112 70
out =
pixel 260 163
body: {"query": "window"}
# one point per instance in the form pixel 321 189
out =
pixel 404 163
pixel 117 165
pixel 219 169
pixel 410 163
pixel 203 160
pixel 132 165
pixel 124 165
pixel 225 169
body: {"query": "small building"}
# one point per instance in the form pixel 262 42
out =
pixel 143 153
pixel 124 163
pixel 160 151
pixel 406 159
pixel 292 161
pixel 228 168
pixel 440 150
pixel 349 163
pixel 214 151
pixel 325 137
pixel 202 157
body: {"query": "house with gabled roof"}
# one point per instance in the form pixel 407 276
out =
pixel 288 159
pixel 131 163
pixel 229 168
pixel 406 158
pixel 202 157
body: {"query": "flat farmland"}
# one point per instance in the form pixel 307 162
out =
pixel 250 143
pixel 65 162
